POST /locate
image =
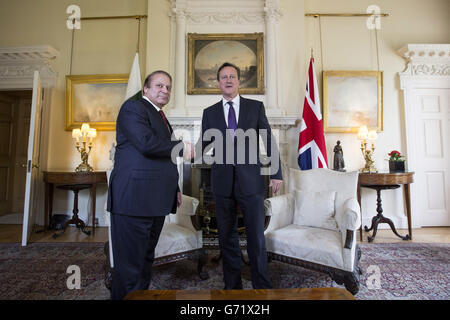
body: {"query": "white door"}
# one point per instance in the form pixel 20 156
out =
pixel 32 159
pixel 432 113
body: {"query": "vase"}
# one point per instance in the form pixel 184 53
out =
pixel 396 166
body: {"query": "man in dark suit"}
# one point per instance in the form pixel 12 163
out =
pixel 143 186
pixel 236 179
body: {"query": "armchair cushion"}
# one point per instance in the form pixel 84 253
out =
pixel 175 239
pixel 315 245
pixel 315 209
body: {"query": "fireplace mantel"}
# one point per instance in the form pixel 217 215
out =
pixel 189 128
pixel 280 123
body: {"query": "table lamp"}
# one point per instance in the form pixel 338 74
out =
pixel 364 134
pixel 83 142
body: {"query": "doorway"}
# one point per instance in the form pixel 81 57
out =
pixel 15 109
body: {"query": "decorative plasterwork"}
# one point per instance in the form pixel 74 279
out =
pixel 200 16
pixel 272 10
pixel 225 12
pixel 426 59
pixel 225 18
pixel 17 66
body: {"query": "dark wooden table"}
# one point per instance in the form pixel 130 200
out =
pixel 252 294
pixel 385 181
pixel 56 178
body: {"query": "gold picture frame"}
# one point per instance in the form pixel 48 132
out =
pixel 94 99
pixel 352 99
pixel 206 52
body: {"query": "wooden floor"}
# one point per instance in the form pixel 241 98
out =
pixel 13 233
pixel 252 294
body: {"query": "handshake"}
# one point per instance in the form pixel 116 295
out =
pixel 188 151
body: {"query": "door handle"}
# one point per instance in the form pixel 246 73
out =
pixel 24 165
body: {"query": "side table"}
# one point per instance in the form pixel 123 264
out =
pixel 385 181
pixel 72 181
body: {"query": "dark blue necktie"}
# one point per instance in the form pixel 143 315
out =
pixel 231 117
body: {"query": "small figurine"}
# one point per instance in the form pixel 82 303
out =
pixel 338 158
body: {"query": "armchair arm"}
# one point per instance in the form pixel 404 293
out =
pixel 348 219
pixel 185 212
pixel 280 209
pixel 188 205
pixel 349 215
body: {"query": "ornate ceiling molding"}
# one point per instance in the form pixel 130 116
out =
pixel 17 66
pixel 426 59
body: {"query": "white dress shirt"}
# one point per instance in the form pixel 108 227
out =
pixel 156 107
pixel 226 108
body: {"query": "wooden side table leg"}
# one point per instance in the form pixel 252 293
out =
pixel 50 202
pixel 377 219
pixel 408 208
pixel 46 208
pixel 94 198
pixel 360 209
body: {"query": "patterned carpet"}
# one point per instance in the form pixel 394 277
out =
pixel 408 271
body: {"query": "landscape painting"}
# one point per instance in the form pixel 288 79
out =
pixel 352 99
pixel 207 52
pixel 94 99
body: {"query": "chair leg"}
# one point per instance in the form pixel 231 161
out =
pixel 351 281
pixel 107 268
pixel 202 259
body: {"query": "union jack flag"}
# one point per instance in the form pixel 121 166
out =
pixel 312 152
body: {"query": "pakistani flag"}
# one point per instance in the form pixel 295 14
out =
pixel 134 87
pixel 134 91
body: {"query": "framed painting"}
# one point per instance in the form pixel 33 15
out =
pixel 352 99
pixel 207 52
pixel 94 99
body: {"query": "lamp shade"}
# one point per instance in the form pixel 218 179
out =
pixel 85 128
pixel 372 135
pixel 363 132
pixel 76 133
pixel 92 133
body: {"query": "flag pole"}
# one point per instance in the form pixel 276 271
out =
pixel 139 34
pixel 312 55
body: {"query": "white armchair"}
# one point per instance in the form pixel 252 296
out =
pixel 180 238
pixel 314 225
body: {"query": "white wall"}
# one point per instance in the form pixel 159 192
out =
pixel 109 46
